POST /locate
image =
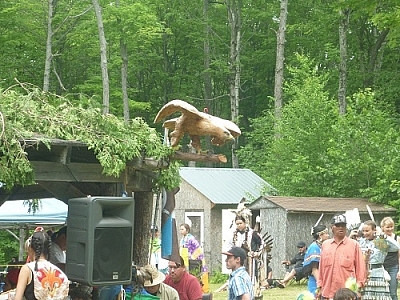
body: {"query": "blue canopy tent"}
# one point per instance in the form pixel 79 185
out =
pixel 51 212
pixel 14 215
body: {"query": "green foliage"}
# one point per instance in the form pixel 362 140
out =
pixel 363 149
pixel 165 45
pixel 9 246
pixel 44 116
pixel 303 132
pixel 314 151
pixel 395 188
pixel 290 153
pixel 23 41
pixel 253 154
pixel 218 277
pixel 33 205
pixel 170 177
pixel 166 60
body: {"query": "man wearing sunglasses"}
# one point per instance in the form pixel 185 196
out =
pixel 180 279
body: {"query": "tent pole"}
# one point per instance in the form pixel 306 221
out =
pixel 12 233
pixel 21 244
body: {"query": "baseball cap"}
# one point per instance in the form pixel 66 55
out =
pixel 236 252
pixel 301 244
pixel 61 231
pixel 338 219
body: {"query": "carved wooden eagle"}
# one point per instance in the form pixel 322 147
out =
pixel 196 124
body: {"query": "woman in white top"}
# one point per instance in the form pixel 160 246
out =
pixel 391 263
pixel 40 279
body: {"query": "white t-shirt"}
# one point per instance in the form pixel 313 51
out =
pixel 57 256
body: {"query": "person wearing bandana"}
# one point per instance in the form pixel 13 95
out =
pixel 313 255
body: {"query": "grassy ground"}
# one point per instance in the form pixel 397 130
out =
pixel 289 293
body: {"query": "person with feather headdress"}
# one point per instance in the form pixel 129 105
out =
pixel 244 236
pixel 251 241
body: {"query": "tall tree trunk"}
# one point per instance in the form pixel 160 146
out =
pixel 49 55
pixel 234 16
pixel 280 58
pixel 207 73
pixel 343 25
pixel 124 71
pixel 375 55
pixel 103 57
pixel 124 78
pixel 166 67
pixel 143 220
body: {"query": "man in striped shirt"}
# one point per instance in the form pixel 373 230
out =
pixel 240 286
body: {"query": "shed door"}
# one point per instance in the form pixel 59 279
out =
pixel 196 222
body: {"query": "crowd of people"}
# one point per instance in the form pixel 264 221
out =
pixel 363 264
pixel 360 264
pixel 366 260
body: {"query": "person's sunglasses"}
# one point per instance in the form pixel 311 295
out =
pixel 175 267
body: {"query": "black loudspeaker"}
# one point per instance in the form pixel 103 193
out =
pixel 99 240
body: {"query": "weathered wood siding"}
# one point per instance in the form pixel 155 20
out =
pixel 215 239
pixel 273 221
pixel 189 199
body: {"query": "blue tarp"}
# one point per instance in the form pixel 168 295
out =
pixel 14 214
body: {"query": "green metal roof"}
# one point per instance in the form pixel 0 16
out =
pixel 226 186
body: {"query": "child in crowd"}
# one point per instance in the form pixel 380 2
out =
pixel 345 294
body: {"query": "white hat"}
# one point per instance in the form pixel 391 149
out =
pixel 156 276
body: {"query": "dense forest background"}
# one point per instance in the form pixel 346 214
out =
pixel 333 132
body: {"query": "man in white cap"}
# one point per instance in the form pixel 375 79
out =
pixel 155 285
pixel 239 284
pixel 341 259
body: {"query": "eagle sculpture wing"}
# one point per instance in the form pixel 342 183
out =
pixel 196 124
pixel 174 106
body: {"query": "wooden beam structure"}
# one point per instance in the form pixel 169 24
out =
pixel 68 169
pixel 216 158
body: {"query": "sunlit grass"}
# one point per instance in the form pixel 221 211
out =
pixel 288 293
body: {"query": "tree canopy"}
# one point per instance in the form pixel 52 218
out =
pixel 321 153
pixel 310 150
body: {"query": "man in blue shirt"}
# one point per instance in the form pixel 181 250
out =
pixel 240 286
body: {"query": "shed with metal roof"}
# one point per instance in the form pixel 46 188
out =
pixel 205 199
